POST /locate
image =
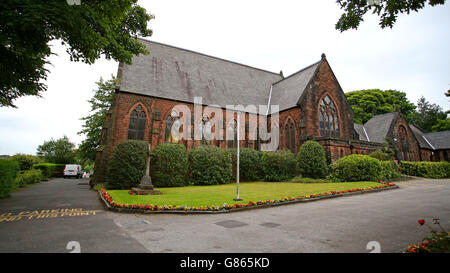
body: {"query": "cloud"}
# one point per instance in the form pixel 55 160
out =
pixel 273 35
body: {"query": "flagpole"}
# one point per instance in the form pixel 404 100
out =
pixel 238 155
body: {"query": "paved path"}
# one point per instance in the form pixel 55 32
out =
pixel 61 211
pixel 344 224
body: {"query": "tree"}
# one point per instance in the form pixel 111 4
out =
pixel 93 123
pixel 388 10
pixel 89 30
pixel 368 103
pixel 447 95
pixel 60 151
pixel 427 115
pixel 441 125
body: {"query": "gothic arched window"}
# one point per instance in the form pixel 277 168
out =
pixel 328 117
pixel 206 131
pixel 173 125
pixel 136 126
pixel 232 131
pixel 289 136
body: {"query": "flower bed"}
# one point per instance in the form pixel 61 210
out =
pixel 111 204
pixel 436 242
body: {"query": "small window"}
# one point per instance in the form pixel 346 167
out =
pixel 136 127
pixel 289 136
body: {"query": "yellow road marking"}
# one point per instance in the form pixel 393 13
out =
pixel 43 214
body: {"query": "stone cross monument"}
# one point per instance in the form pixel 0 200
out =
pixel 146 187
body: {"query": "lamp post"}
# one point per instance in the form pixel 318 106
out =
pixel 237 159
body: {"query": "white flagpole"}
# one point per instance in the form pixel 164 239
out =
pixel 238 155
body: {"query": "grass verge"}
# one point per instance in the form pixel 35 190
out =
pixel 221 194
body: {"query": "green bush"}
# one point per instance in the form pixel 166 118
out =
pixel 209 165
pixel 389 170
pixel 357 168
pixel 278 166
pixel 312 160
pixel 49 170
pixel 249 164
pixel 169 165
pixel 425 169
pixel 26 162
pixel 8 172
pixel 380 155
pixel 127 164
pixel 27 178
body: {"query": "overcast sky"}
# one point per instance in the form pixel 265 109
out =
pixel 413 57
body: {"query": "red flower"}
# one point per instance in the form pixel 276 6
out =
pixel 421 222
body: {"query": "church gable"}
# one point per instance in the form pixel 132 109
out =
pixel 324 107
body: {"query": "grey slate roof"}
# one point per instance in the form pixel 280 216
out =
pixel 287 92
pixel 420 137
pixel 439 140
pixel 179 74
pixel 378 126
pixel 359 128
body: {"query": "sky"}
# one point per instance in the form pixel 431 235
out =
pixel 412 57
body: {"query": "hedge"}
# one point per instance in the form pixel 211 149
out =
pixel 25 161
pixel 426 169
pixel 278 166
pixel 49 169
pixel 127 164
pixel 209 165
pixel 389 170
pixel 312 160
pixel 169 165
pixel 27 178
pixel 380 155
pixel 357 168
pixel 8 172
pixel 249 164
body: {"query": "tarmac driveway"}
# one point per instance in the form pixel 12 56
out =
pixel 47 216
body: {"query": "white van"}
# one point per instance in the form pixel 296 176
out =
pixel 72 171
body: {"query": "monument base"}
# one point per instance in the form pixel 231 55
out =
pixel 139 191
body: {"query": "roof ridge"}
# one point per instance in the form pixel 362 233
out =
pixel 434 133
pixel 209 56
pixel 385 114
pixel 301 70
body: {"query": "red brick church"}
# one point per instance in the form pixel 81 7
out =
pixel 312 106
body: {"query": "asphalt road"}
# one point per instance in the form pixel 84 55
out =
pixel 59 211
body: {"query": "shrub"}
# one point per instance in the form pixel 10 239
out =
pixel 27 178
pixel 209 165
pixel 8 172
pixel 169 165
pixel 380 155
pixel 249 164
pixel 26 162
pixel 426 169
pixel 357 168
pixel 279 165
pixel 127 164
pixel 311 160
pixel 49 169
pixel 389 170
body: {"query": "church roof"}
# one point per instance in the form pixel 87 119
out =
pixel 378 126
pixel 287 92
pixel 359 128
pixel 439 140
pixel 178 74
pixel 423 142
pixel 377 129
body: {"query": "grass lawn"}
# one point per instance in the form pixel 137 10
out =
pixel 220 194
